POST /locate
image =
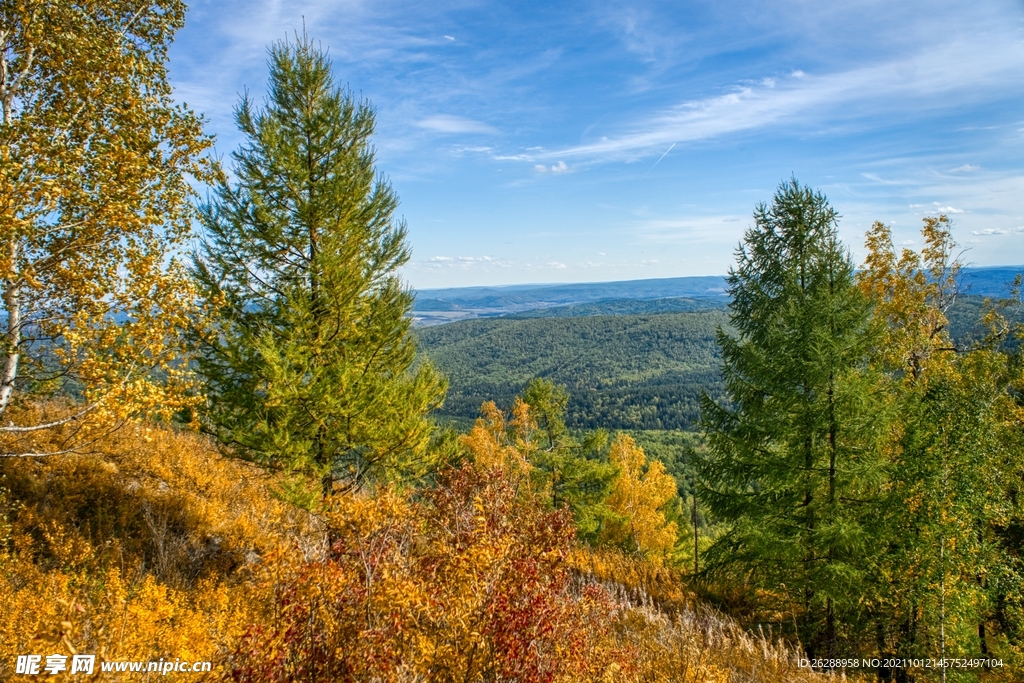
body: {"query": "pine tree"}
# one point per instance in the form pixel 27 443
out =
pixel 789 464
pixel 568 469
pixel 309 361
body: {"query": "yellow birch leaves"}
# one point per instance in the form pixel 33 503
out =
pixel 638 498
pixel 94 207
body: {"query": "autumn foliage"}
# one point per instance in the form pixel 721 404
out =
pixel 97 162
pixel 160 547
pixel 468 583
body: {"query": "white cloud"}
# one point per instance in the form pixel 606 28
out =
pixel 560 167
pixel 989 231
pixel 477 149
pixel 966 168
pixel 878 179
pixel 445 123
pixel 700 230
pixel 947 209
pixel 556 264
pixel 461 263
pixel 449 37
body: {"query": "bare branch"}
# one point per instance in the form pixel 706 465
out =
pixel 37 455
pixel 51 425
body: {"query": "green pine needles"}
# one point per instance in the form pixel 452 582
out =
pixel 791 460
pixel 309 361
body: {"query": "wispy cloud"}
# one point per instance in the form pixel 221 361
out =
pixel 489 264
pixel 699 229
pixel 446 123
pixel 479 103
pixel 560 167
pixel 801 98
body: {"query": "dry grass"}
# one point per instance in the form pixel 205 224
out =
pixel 138 551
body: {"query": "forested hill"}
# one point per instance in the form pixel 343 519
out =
pixel 436 306
pixel 622 372
pixel 628 307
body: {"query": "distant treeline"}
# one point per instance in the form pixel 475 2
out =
pixel 628 307
pixel 622 372
pixel 644 372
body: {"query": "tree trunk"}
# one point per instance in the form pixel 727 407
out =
pixel 12 338
pixel 696 538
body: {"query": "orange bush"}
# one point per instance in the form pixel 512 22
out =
pixel 136 552
pixel 468 583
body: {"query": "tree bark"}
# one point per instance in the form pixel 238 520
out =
pixel 12 338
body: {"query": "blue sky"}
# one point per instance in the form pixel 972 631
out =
pixel 594 141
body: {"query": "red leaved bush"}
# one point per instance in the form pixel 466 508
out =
pixel 468 582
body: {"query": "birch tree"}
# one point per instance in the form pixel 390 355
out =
pixel 95 160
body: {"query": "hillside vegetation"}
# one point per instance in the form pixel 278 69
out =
pixel 158 546
pixel 622 372
pixel 237 460
pixel 627 307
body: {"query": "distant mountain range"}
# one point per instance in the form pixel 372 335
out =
pixel 677 294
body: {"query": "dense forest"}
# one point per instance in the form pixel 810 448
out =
pixel 627 307
pixel 223 444
pixel 624 370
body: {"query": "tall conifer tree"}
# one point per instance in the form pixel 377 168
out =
pixel 789 464
pixel 569 469
pixel 309 362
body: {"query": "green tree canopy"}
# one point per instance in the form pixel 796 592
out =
pixel 310 363
pixel 947 571
pixel 790 458
pixel 569 469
